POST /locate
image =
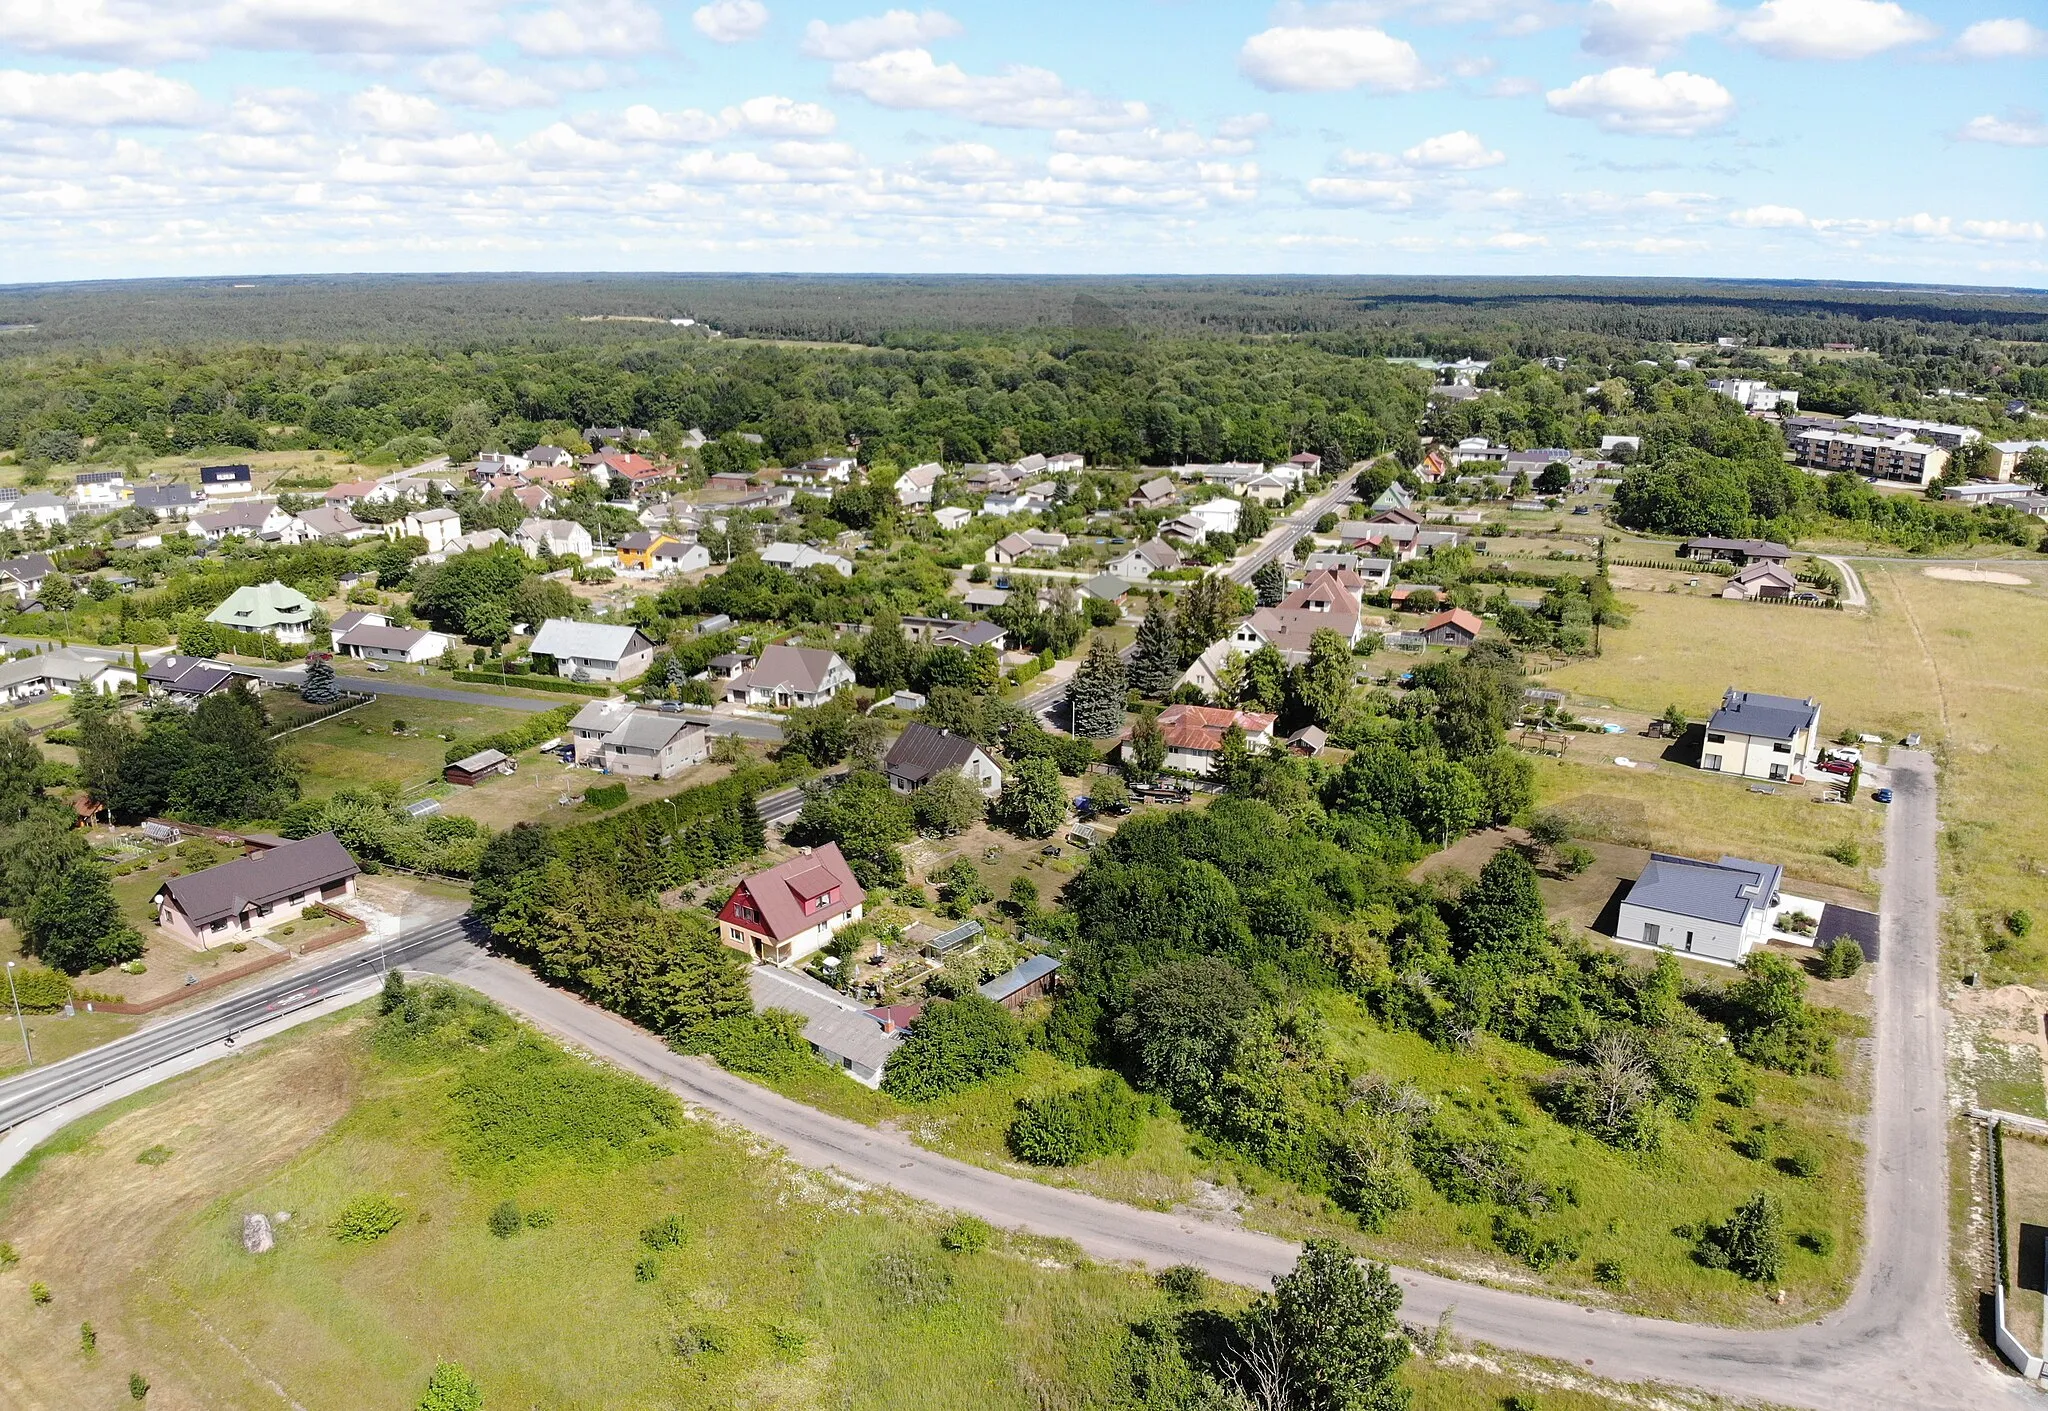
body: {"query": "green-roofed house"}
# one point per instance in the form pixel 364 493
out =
pixel 285 613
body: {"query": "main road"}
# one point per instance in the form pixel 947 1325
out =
pixel 1893 1344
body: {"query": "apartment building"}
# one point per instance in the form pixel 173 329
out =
pixel 1899 460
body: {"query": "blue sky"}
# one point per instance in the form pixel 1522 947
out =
pixel 1860 139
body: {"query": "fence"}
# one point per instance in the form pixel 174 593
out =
pixel 349 701
pixel 2015 1351
pixel 1676 565
pixel 533 683
pixel 353 929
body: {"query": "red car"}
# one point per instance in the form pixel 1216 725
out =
pixel 1838 766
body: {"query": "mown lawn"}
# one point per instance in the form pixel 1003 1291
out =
pixel 361 749
pixel 782 1289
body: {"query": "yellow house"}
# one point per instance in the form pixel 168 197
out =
pixel 636 550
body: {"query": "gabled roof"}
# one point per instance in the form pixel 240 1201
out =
pixel 390 639
pixel 1455 617
pixel 249 516
pixel 1026 972
pixel 158 497
pixel 593 641
pixel 1764 717
pixel 218 893
pixel 970 634
pixel 1725 891
pixel 330 521
pixel 188 675
pixel 922 753
pixel 223 474
pixel 778 895
pixel 801 669
pixel 1193 727
pixel 648 730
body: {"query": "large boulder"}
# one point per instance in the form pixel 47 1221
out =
pixel 256 1235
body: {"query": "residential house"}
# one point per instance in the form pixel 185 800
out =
pixel 793 909
pixel 620 435
pixel 680 556
pixel 1309 741
pixel 551 538
pixel 219 481
pixel 786 677
pixel 952 517
pixel 187 679
pixel 438 527
pixel 64 672
pixel 1763 737
pixel 1306 463
pixel 589 726
pixel 799 556
pixel 283 612
pixel 1194 734
pixel 1898 459
pixel 495 463
pixel 969 635
pixel 985 599
pixel 921 754
pixel 378 642
pixel 1155 494
pixel 1012 547
pixel 914 486
pixel 1454 627
pixel 1327 601
pixel 476 540
pixel 1736 551
pixel 655 745
pixel 636 550
pixel 168 501
pixel 1106 588
pixel 99 489
pixel 1711 910
pixel 1761 580
pixel 1939 433
pixel 24 576
pixel 593 651
pixel 234 900
pixel 1139 563
pixel 1753 395
pixel 253 519
pixel 858 1042
pixel 1066 462
pixel 1533 463
pixel 630 472
pixel 333 522
pixel 549 458
pixel 1031 978
pixel 987 479
pixel 354 617
pixel 826 470
pixel 1269 489
pixel 1196 524
pixel 2006 456
pixel 42 510
pixel 1473 449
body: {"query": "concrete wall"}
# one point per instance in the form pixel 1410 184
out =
pixel 1709 941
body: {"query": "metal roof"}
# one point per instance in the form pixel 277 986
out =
pixel 833 1024
pixel 262 880
pixel 1764 717
pixel 1026 972
pixel 1725 891
pixel 592 641
pixel 922 753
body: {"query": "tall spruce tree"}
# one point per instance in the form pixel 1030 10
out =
pixel 1271 583
pixel 1155 665
pixel 318 688
pixel 1096 693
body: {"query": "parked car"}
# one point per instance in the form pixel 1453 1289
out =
pixel 1837 766
pixel 1582 509
pixel 1846 756
pixel 1883 795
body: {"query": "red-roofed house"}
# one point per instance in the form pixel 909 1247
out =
pixel 631 471
pixel 1452 628
pixel 1194 734
pixel 794 908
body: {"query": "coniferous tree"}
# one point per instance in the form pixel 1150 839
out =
pixel 1096 693
pixel 1271 583
pixel 1155 665
pixel 318 688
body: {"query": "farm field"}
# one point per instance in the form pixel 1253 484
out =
pixel 767 1286
pixel 1958 662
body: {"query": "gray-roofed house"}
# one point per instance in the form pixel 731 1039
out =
pixel 839 1031
pixel 1762 737
pixel 220 905
pixel 1761 580
pixel 970 634
pixel 653 745
pixel 599 651
pixel 786 677
pixel 1106 588
pixel 24 576
pixel 382 642
pixel 335 522
pixel 1031 978
pixel 1736 551
pixel 1713 910
pixel 1144 560
pixel 921 754
pixel 186 678
pixel 1154 494
pixel 168 501
pixel 64 671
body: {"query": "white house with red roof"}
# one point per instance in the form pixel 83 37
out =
pixel 794 909
pixel 1194 734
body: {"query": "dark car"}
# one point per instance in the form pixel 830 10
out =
pixel 1582 509
pixel 1883 796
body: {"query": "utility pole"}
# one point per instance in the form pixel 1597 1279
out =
pixel 15 995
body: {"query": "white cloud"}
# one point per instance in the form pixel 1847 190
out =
pixel 1770 218
pixel 560 145
pixel 773 116
pixel 1360 191
pixel 474 82
pixel 1511 87
pixel 730 21
pixel 1452 151
pixel 876 34
pixel 736 168
pixel 2021 129
pixel 2002 39
pixel 1831 29
pixel 129 30
pixel 2004 230
pixel 1244 125
pixel 351 26
pixel 394 114
pixel 272 112
pixel 1301 60
pixel 615 29
pixel 967 161
pixel 641 123
pixel 814 156
pixel 1515 240
pixel 1641 100
pixel 1647 29
pixel 1018 96
pixel 117 97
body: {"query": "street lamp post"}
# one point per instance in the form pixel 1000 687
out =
pixel 15 995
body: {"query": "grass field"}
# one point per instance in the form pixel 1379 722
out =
pixel 783 1289
pixel 1960 663
pixel 360 750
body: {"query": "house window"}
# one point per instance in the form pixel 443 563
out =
pixel 1717 739
pixel 1782 749
pixel 1651 931
pixel 1712 761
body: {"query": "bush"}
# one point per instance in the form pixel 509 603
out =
pixel 1820 1242
pixel 1183 1283
pixel 2020 923
pixel 954 1045
pixel 1751 1242
pixel 1610 1273
pixel 40 989
pixel 1064 1129
pixel 646 1269
pixel 769 1044
pixel 539 1218
pixel 1846 852
pixel 138 1386
pixel 39 1293
pixel 700 1338
pixel 505 1220
pixel 451 1389
pixel 1840 958
pixel 966 1235
pixel 366 1219
pixel 1574 858
pixel 605 795
pixel 153 1156
pixel 1755 1143
pixel 669 1232
pixel 1804 1163
pixel 556 684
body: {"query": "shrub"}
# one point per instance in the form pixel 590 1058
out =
pixel 646 1269
pixel 2019 923
pixel 700 1338
pixel 965 1235
pixel 1574 858
pixel 769 1044
pixel 1610 1273
pixel 669 1232
pixel 88 1339
pixel 452 1389
pixel 1820 1242
pixel 1840 958
pixel 1183 1283
pixel 138 1386
pixel 40 989
pixel 9 1256
pixel 539 1218
pixel 1755 1143
pixel 1805 1163
pixel 366 1219
pixel 1750 1242
pixel 605 795
pixel 952 1046
pixel 1064 1129
pixel 38 1293
pixel 153 1156
pixel 1846 852
pixel 505 1220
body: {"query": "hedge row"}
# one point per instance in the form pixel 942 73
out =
pixel 535 683
pixel 514 738
pixel 667 842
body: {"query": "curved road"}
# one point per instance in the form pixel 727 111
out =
pixel 1893 1345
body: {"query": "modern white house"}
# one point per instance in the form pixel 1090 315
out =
pixel 599 651
pixel 952 517
pixel 1717 911
pixel 439 527
pixel 253 519
pixel 552 538
pixel 63 672
pixel 788 677
pixel 379 642
pixel 222 480
pixel 798 556
pixel 1762 737
pixel 914 486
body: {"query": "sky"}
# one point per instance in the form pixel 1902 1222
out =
pixel 1809 139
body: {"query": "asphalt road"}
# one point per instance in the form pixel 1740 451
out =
pixel 1894 1344
pixel 392 685
pixel 40 1089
